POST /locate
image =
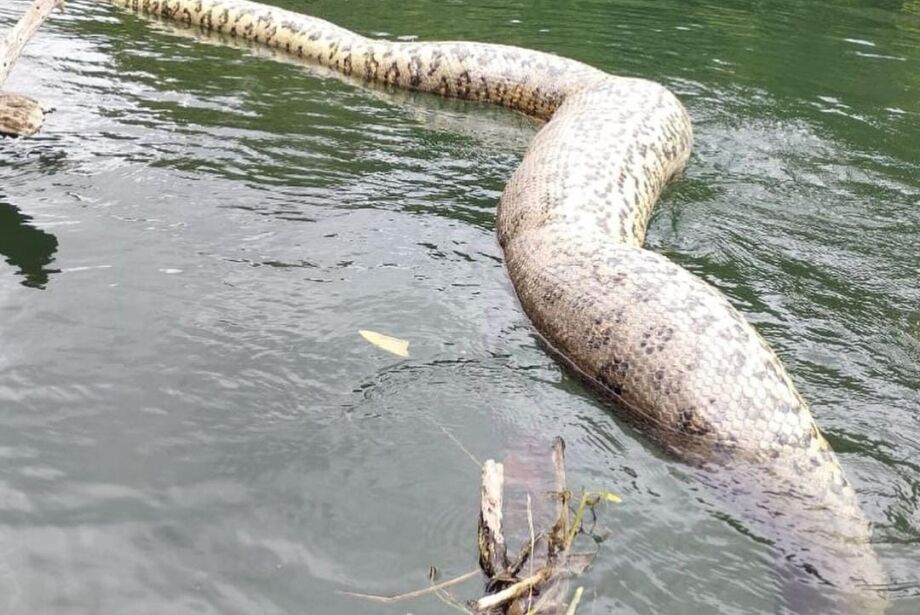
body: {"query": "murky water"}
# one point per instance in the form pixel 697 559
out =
pixel 189 422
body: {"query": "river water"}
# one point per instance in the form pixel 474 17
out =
pixel 189 421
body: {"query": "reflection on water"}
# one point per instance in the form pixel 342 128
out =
pixel 189 421
pixel 27 248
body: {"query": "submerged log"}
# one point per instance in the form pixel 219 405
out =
pixel 544 589
pixel 21 116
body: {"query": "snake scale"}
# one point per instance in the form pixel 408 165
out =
pixel 671 350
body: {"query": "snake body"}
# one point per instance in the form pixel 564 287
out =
pixel 672 351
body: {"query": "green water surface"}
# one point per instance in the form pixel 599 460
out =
pixel 189 421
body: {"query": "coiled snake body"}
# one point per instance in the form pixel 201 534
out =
pixel 671 349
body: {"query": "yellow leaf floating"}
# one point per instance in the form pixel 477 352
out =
pixel 391 344
pixel 612 497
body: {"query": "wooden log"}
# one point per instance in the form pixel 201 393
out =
pixel 21 115
pixel 493 556
pixel 12 45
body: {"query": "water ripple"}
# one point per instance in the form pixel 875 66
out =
pixel 190 422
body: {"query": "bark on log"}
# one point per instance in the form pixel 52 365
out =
pixel 493 556
pixel 21 115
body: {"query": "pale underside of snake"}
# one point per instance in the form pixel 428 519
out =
pixel 671 350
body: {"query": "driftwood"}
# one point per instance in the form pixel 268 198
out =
pixel 21 115
pixel 493 557
pixel 540 592
pixel 544 588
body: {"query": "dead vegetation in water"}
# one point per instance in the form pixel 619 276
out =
pixel 537 581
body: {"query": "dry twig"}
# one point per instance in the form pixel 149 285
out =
pixel 575 600
pixel 414 594
pixel 514 591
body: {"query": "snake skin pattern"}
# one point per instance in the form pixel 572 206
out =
pixel 672 351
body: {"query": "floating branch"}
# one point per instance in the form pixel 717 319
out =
pixel 20 115
pixel 543 591
pixel 544 588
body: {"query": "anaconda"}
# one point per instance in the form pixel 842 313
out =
pixel 669 348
